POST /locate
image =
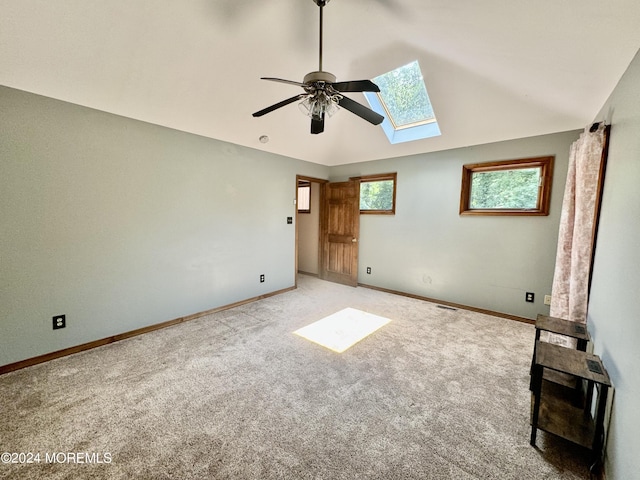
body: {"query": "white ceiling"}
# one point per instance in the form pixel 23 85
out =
pixel 495 69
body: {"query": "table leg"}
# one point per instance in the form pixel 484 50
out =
pixel 533 357
pixel 598 437
pixel 536 390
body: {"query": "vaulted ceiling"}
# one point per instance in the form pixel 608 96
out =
pixel 495 69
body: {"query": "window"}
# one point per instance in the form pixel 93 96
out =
pixel 304 196
pixel 378 194
pixel 404 102
pixel 511 187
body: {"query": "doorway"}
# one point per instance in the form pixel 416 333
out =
pixel 327 229
pixel 308 217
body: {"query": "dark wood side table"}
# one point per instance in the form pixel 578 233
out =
pixel 562 327
pixel 557 413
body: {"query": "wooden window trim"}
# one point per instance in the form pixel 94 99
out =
pixel 375 178
pixel 544 189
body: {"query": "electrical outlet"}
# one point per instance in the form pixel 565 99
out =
pixel 262 278
pixel 369 270
pixel 529 297
pixel 59 321
pixel 547 299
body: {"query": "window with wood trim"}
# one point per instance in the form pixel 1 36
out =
pixel 304 196
pixel 508 187
pixel 378 194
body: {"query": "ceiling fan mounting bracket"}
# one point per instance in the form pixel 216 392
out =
pixel 321 3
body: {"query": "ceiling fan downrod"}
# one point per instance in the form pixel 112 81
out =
pixel 321 4
pixel 320 75
pixel 320 48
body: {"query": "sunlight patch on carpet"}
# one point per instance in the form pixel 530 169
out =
pixel 342 329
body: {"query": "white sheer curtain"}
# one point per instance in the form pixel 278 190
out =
pixel 570 291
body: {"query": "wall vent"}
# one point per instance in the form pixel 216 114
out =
pixel 445 307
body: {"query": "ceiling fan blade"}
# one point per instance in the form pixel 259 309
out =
pixel 356 86
pixel 317 125
pixel 360 110
pixel 282 80
pixel 279 104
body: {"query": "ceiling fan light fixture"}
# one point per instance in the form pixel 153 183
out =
pixel 319 105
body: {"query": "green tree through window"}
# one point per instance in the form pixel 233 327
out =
pixel 505 189
pixel 378 193
pixel 405 95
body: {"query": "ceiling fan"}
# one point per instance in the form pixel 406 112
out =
pixel 322 94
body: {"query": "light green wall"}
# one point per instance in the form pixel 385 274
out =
pixel 428 249
pixel 614 311
pixel 121 224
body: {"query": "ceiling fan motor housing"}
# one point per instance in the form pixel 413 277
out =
pixel 314 77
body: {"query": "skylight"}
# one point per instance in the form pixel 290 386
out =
pixel 404 102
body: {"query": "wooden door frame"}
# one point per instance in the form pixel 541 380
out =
pixel 322 182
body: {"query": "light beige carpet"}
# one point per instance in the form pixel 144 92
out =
pixel 434 394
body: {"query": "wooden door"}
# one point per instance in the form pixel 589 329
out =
pixel 339 232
